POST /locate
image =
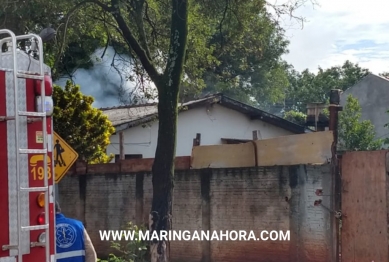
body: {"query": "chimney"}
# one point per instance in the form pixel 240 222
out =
pixel 335 96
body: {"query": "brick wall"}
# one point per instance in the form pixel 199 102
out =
pixel 272 198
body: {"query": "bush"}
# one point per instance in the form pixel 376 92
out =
pixel 131 250
pixel 296 117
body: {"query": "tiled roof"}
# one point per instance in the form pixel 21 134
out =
pixel 124 114
pixel 123 117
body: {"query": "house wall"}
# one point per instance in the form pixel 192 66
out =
pixel 372 93
pixel 216 123
pixel 259 198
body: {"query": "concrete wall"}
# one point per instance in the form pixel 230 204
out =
pixel 372 93
pixel 212 123
pixel 271 198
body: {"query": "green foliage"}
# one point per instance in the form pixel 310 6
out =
pixel 326 112
pixel 384 74
pixel 234 47
pixel 235 44
pixel 386 140
pixel 85 128
pixel 77 37
pixel 296 117
pixel 131 250
pixel 244 55
pixel 307 87
pixel 354 134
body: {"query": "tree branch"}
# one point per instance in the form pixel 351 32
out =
pixel 178 38
pixel 67 18
pixel 139 21
pixel 103 6
pixel 151 24
pixel 108 40
pixel 134 44
pixel 289 8
pixel 221 23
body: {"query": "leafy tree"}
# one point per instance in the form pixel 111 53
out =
pixel 159 45
pixel 354 134
pixel 85 128
pixel 307 87
pixel 245 64
pixel 386 140
pixel 384 74
pixel 249 67
pixel 171 43
pixel 78 36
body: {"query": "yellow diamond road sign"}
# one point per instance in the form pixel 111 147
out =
pixel 64 157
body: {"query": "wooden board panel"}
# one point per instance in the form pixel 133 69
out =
pixel 364 207
pixel 311 148
pixel 223 156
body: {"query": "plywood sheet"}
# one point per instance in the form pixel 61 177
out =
pixel 223 156
pixel 311 148
pixel 364 207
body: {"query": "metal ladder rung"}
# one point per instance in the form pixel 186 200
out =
pixel 34 189
pixel 26 113
pixel 28 76
pixel 31 228
pixel 33 120
pixel 6 118
pixel 9 247
pixel 29 120
pixel 32 151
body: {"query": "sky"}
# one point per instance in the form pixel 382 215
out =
pixel 340 30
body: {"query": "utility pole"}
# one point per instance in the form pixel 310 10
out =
pixel 334 109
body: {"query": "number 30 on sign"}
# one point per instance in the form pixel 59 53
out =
pixel 37 172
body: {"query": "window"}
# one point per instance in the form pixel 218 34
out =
pixel 117 157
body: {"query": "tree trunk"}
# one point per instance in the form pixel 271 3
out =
pixel 168 85
pixel 163 173
pixel 163 166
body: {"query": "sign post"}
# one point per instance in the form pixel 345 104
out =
pixel 64 157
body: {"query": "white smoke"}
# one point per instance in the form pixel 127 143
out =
pixel 105 84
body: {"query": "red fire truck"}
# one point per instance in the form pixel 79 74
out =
pixel 27 220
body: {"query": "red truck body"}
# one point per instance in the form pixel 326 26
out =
pixel 27 220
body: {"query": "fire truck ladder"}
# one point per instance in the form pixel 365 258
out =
pixel 29 75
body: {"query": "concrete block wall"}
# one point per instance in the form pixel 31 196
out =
pixel 271 198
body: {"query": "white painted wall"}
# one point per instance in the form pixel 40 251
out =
pixel 219 122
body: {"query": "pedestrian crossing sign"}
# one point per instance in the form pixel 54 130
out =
pixel 64 157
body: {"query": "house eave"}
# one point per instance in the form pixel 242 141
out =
pixel 258 114
pixel 127 125
pixel 251 112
